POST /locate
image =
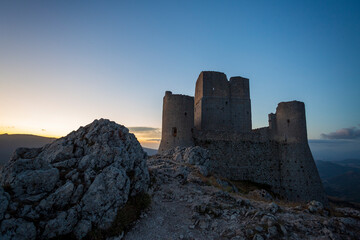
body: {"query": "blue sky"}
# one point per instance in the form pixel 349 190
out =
pixel 64 63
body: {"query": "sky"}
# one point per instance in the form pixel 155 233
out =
pixel 65 63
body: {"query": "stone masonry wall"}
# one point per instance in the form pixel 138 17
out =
pixel 300 179
pixel 288 168
pixel 250 158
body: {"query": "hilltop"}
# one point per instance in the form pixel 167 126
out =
pixel 186 204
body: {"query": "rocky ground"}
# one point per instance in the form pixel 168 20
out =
pixel 185 205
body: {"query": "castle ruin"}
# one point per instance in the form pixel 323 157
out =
pixel 218 119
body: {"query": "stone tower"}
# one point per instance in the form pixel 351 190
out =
pixel 177 121
pixel 300 179
pixel 290 121
pixel 220 104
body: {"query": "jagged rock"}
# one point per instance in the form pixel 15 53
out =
pixel 17 229
pixel 269 220
pixel 315 206
pixel 197 156
pixel 273 207
pixel 272 231
pixel 4 200
pixel 258 237
pixel 62 224
pixel 283 230
pixel 73 185
pixel 259 228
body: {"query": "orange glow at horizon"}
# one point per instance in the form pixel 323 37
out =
pixel 38 132
pixel 149 143
pixel 144 141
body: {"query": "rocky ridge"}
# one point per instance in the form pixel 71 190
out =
pixel 72 186
pixel 188 205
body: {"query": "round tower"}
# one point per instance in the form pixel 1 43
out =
pixel 177 121
pixel 291 122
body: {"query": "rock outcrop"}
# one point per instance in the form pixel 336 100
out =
pixel 188 205
pixel 72 186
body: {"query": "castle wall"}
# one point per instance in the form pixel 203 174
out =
pixel 240 114
pixel 253 157
pixel 287 168
pixel 272 122
pixel 215 113
pixel 300 180
pixel 177 121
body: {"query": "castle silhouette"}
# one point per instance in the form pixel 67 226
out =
pixel 218 119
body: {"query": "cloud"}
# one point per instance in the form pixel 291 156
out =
pixel 344 133
pixel 44 130
pixel 146 133
pixel 153 140
pixel 330 141
pixel 143 129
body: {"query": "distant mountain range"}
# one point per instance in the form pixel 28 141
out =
pixel 9 143
pixel 150 151
pixel 341 179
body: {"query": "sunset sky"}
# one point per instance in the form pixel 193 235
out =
pixel 65 63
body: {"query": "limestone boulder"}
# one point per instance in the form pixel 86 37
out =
pixel 197 156
pixel 315 207
pixel 4 200
pixel 260 194
pixel 72 186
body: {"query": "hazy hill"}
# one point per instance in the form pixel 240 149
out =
pixel 150 151
pixel 8 144
pixel 330 169
pixel 345 186
pixel 353 163
pixel 341 179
